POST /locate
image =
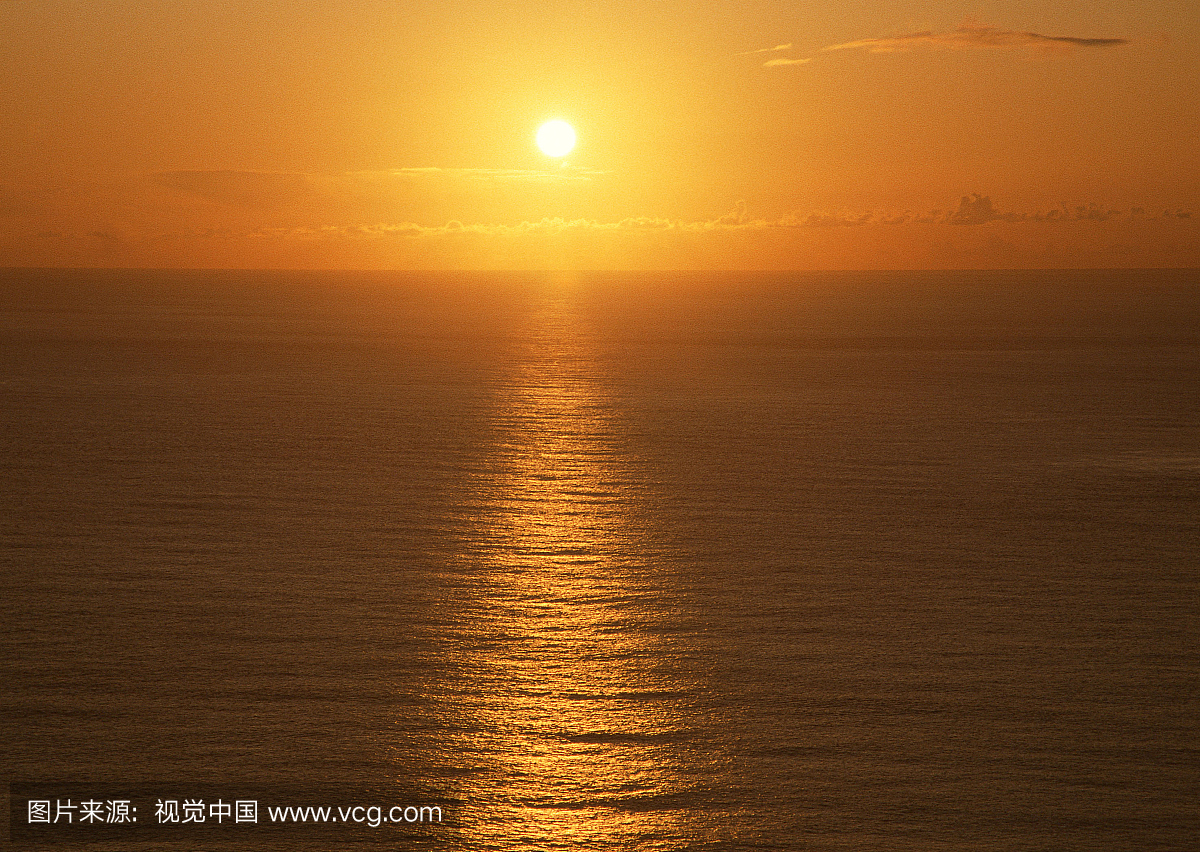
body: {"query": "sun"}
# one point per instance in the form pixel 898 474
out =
pixel 556 138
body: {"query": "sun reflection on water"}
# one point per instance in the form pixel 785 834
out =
pixel 570 721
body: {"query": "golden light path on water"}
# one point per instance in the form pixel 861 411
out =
pixel 572 723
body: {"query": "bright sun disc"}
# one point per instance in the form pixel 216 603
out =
pixel 556 138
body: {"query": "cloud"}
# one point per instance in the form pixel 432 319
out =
pixel 978 210
pixel 972 210
pixel 546 225
pixel 972 36
pixel 969 36
pixel 774 49
pixel 778 61
pixel 826 220
pixel 348 235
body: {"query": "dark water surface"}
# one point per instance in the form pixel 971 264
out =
pixel 885 561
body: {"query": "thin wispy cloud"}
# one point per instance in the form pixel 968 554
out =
pixel 774 49
pixel 969 36
pixel 972 36
pixel 972 210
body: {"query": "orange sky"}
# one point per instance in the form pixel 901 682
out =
pixel 739 134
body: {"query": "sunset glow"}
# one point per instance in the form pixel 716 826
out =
pixel 719 137
pixel 571 425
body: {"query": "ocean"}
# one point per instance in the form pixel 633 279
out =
pixel 890 562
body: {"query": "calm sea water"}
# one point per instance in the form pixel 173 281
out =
pixel 900 561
